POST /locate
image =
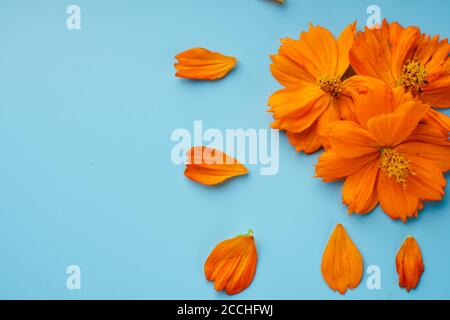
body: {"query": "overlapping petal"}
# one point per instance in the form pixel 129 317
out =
pixel 333 167
pixel 426 181
pixel 439 154
pixel 359 192
pixel 396 202
pixel 345 43
pixel 391 129
pixel 349 140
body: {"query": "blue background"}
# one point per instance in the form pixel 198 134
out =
pixel 86 176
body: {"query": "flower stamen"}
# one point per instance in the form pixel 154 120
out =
pixel 395 165
pixel 331 85
pixel 413 76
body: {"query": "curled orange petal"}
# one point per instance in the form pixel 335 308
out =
pixel 342 263
pixel 211 167
pixel 202 64
pixel 409 264
pixel 232 264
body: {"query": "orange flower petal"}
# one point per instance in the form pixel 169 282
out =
pixel 434 55
pixel 202 64
pixel 429 133
pixel 395 29
pixel 342 263
pixel 409 264
pixel 325 48
pixel 287 72
pixel 345 42
pixel 371 54
pixel 403 49
pixel 359 192
pixel 211 167
pixel 330 114
pixel 439 120
pixel 425 50
pixel 349 140
pixel 296 109
pixel 302 55
pixel 332 167
pixel 427 182
pixel 375 99
pixel 310 139
pixel 437 93
pixel 396 202
pixel 307 141
pixel 391 129
pixel 295 101
pixel 300 124
pixel 316 52
pixel 232 264
pixel 344 108
pixel 438 154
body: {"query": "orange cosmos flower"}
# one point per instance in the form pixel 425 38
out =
pixel 409 264
pixel 232 264
pixel 202 64
pixel 405 57
pixel 389 156
pixel 342 263
pixel 211 167
pixel 313 71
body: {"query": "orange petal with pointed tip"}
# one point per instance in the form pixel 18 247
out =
pixel 409 264
pixel 232 264
pixel 202 64
pixel 342 263
pixel 211 167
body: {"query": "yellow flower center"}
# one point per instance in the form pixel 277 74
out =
pixel 395 165
pixel 331 85
pixel 413 76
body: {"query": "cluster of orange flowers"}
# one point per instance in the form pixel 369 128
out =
pixel 371 100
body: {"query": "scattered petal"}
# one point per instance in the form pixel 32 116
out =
pixel 342 263
pixel 202 64
pixel 409 264
pixel 211 167
pixel 232 264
